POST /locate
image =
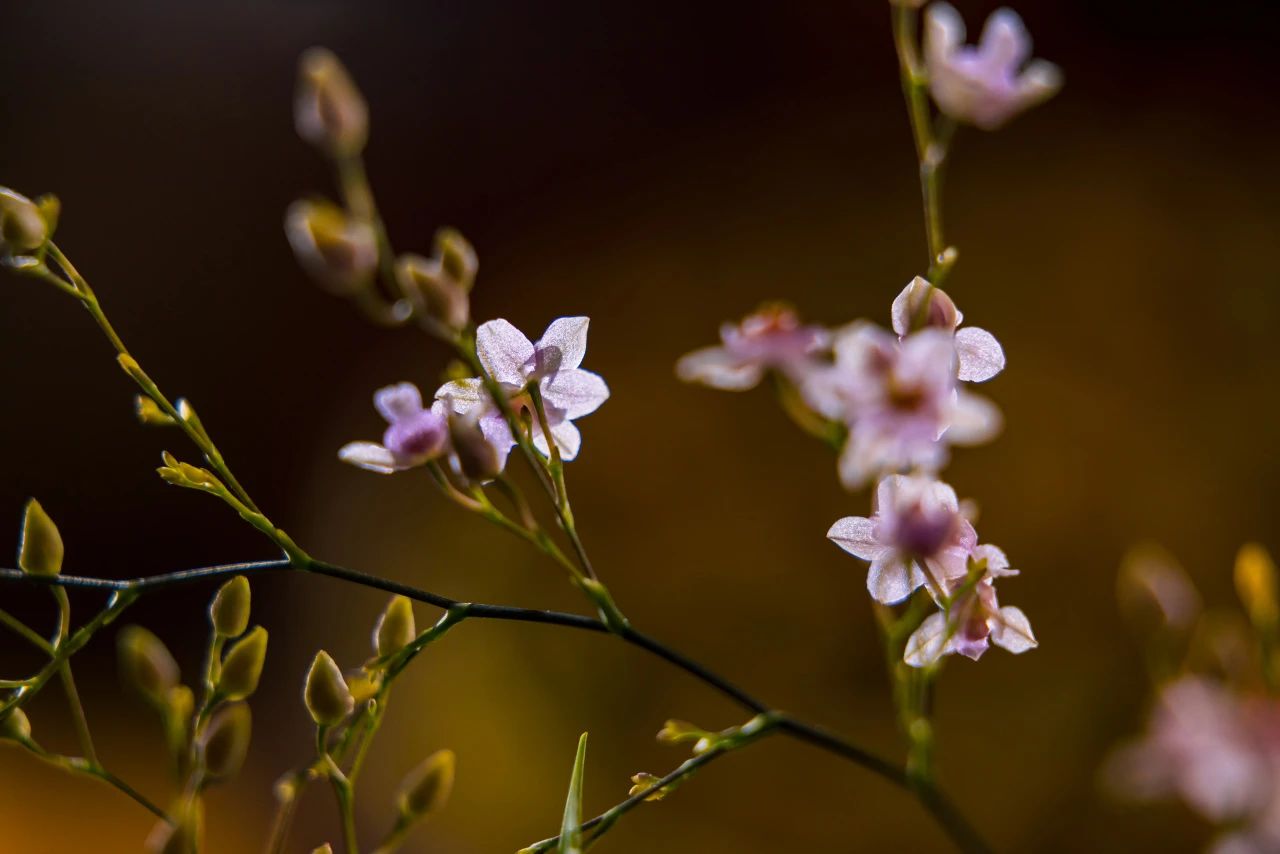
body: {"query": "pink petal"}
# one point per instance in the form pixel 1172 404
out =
pixel 980 355
pixel 567 437
pixel 890 580
pixel 716 367
pixel 974 420
pixel 928 643
pixel 1012 630
pixel 575 392
pixel 997 563
pixel 399 401
pixel 498 434
pixel 504 351
pixel 564 343
pixel 463 395
pixel 1005 42
pixel 943 31
pixel 942 314
pixel 854 534
pixel 1040 81
pixel 370 456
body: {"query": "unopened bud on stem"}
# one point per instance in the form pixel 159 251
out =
pixel 226 741
pixel 242 668
pixel 40 551
pixel 147 664
pixel 396 628
pixel 22 225
pixel 337 250
pixel 426 788
pixel 326 693
pixel 328 110
pixel 229 611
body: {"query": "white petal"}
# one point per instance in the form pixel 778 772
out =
pixel 997 563
pixel 929 642
pixel 943 31
pixel 890 580
pixel 714 366
pixel 567 437
pixel 463 395
pixel 854 535
pixel 1012 630
pixel 564 343
pixel 369 455
pixel 974 420
pixel 498 434
pixel 1005 42
pixel 980 355
pixel 1040 81
pixel 857 462
pixel 504 351
pixel 398 401
pixel 575 392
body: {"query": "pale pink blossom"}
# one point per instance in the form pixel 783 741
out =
pixel 901 401
pixel 972 619
pixel 771 339
pixel 516 363
pixel 979 355
pixel 414 436
pixel 916 536
pixel 987 84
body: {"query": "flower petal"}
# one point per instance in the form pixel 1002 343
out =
pixel 567 437
pixel 890 580
pixel 397 402
pixel 463 395
pixel 504 351
pixel 370 456
pixel 997 563
pixel 980 355
pixel 929 642
pixel 1005 43
pixel 943 31
pixel 718 368
pixel 1012 630
pixel 563 345
pixel 854 535
pixel 575 392
pixel 498 434
pixel 974 420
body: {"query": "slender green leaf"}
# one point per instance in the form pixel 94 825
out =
pixel 571 828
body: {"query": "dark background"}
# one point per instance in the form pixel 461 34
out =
pixel 660 167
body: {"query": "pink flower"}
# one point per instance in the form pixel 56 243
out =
pixel 514 362
pixel 978 354
pixel 414 436
pixel 771 339
pixel 973 620
pixel 900 400
pixel 916 536
pixel 988 84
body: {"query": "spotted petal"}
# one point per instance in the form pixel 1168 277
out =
pixel 504 351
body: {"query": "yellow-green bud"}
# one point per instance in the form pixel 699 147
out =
pixel 22 226
pixel 426 788
pixel 337 250
pixel 242 667
pixel 150 413
pixel 15 726
pixel 323 849
pixel 1256 584
pixel 328 110
pixel 229 611
pixel 147 664
pixel 183 835
pixel 40 551
pixel 446 301
pixel 226 741
pixel 326 693
pixel 457 257
pixel 396 628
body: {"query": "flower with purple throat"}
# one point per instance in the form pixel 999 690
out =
pixel 987 84
pixel 414 435
pixel 515 363
pixel 916 536
pixel 772 338
pixel 979 356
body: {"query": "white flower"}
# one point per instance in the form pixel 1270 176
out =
pixel 415 435
pixel 772 338
pixel 978 354
pixel 988 84
pixel 514 362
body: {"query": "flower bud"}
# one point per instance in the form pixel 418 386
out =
pixel 674 732
pixel 229 611
pixel 1155 592
pixel 477 458
pixel 15 726
pixel 40 550
pixel 1256 583
pixel 426 788
pixel 339 251
pixel 147 664
pixel 328 110
pixel 646 782
pixel 326 693
pixel 396 628
pixel 242 668
pixel 22 226
pixel 446 301
pixel 323 849
pixel 150 413
pixel 226 741
pixel 183 835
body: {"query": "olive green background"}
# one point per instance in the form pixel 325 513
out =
pixel 660 167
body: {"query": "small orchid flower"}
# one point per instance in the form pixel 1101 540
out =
pixel 771 339
pixel 415 435
pixel 568 392
pixel 988 84
pixel 900 400
pixel 978 354
pixel 974 619
pixel 916 536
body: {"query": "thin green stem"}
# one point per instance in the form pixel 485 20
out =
pixel 87 768
pixel 26 632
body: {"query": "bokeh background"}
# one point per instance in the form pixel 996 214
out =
pixel 659 166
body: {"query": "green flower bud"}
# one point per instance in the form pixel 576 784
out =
pixel 40 551
pixel 426 788
pixel 328 110
pixel 242 666
pixel 150 413
pixel 396 628
pixel 226 741
pixel 445 300
pixel 339 251
pixel 22 225
pixel 181 837
pixel 15 726
pixel 477 458
pixel 326 693
pixel 229 611
pixel 147 664
pixel 457 257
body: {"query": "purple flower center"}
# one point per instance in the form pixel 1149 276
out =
pixel 420 435
pixel 923 533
